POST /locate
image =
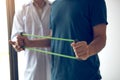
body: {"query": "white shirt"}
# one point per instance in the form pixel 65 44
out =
pixel 36 65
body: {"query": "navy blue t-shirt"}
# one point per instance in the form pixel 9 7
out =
pixel 75 19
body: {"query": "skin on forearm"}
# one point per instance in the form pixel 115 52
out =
pixel 42 43
pixel 99 39
pixel 84 51
pixel 97 45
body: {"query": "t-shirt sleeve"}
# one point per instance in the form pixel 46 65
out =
pixel 98 12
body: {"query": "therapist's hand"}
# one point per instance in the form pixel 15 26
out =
pixel 81 50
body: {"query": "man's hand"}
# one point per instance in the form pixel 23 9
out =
pixel 16 46
pixel 81 50
pixel 18 43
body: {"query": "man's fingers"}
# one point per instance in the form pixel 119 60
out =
pixel 83 57
pixel 78 44
pixel 16 46
pixel 81 49
pixel 20 40
pixel 73 44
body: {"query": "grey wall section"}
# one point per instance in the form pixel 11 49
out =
pixel 110 55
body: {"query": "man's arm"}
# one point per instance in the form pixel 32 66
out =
pixel 24 41
pixel 84 50
pixel 99 39
pixel 36 43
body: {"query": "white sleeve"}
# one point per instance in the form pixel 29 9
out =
pixel 18 25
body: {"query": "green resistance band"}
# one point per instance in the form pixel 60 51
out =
pixel 51 53
pixel 47 52
pixel 48 37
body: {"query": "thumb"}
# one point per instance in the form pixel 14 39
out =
pixel 73 44
pixel 12 42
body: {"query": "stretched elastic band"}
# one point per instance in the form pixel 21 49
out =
pixel 48 52
pixel 48 37
pixel 51 53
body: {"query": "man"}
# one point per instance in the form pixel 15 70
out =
pixel 33 19
pixel 84 20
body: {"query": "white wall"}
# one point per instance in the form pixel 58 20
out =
pixel 110 55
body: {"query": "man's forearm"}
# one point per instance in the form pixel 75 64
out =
pixel 39 43
pixel 97 45
pixel 99 40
